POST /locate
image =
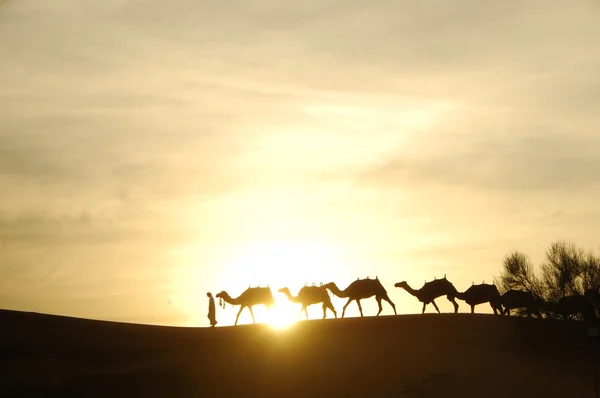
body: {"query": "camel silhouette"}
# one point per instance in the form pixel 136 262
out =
pixel 432 290
pixel 309 295
pixel 362 289
pixel 249 298
pixel 513 299
pixel 575 304
pixel 479 294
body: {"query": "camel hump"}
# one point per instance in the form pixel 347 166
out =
pixel 312 291
pixel 377 283
pixel 482 288
pixel 439 285
pixel 514 293
pixel 438 282
pixel 365 281
pixel 259 290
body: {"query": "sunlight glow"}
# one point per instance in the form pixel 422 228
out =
pixel 278 263
pixel 281 318
pixel 283 262
pixel 275 263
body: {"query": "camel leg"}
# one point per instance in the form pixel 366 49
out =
pixel 300 312
pixel 306 312
pixel 435 306
pixel 380 306
pixel 324 306
pixel 497 310
pixel 328 304
pixel 424 305
pixel 453 301
pixel 359 307
pixel 472 309
pixel 345 306
pixel 333 310
pixel 238 315
pixel 252 313
pixel 387 298
pixel 493 308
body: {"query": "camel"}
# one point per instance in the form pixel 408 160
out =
pixel 249 298
pixel 362 289
pixel 432 290
pixel 576 304
pixel 309 295
pixel 479 294
pixel 513 299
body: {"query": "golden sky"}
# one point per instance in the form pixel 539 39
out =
pixel 152 151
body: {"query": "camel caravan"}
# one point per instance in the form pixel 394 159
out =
pixel 568 307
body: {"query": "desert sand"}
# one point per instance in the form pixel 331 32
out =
pixel 431 355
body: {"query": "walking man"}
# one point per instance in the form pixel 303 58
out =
pixel 212 314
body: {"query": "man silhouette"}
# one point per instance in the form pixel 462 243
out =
pixel 212 314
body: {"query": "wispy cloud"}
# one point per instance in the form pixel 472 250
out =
pixel 524 162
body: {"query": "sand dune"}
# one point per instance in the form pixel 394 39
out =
pixel 432 355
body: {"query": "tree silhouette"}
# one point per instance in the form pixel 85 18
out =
pixel 562 272
pixel 518 274
pixel 591 273
pixel 569 271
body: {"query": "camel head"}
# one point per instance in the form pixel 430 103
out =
pixel 329 285
pixel 222 296
pixel 284 290
pixel 402 284
pixel 209 294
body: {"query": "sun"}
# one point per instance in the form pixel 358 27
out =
pixel 281 318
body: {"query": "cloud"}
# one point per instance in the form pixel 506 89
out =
pixel 44 228
pixel 523 163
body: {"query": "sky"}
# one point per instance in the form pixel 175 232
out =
pixel 153 151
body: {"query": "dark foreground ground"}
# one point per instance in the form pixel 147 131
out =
pixel 447 355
